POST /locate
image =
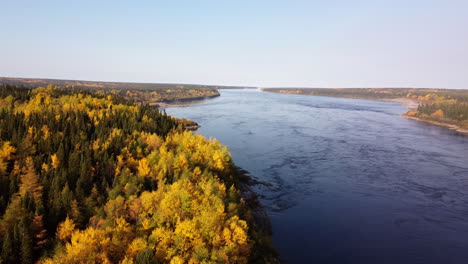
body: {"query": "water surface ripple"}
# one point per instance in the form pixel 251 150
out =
pixel 351 180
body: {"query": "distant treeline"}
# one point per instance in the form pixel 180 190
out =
pixel 420 94
pixel 449 106
pixel 150 93
pixel 30 82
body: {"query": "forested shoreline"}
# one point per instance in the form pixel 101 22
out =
pixel 90 177
pixel 144 93
pixel 443 107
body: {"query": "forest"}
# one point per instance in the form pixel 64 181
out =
pixel 145 93
pixel 446 106
pixel 87 176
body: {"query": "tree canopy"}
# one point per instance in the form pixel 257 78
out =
pixel 88 177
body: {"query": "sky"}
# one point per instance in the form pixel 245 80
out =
pixel 349 43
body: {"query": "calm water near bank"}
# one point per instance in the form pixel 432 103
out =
pixel 350 180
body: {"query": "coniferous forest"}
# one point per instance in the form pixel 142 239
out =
pixel 88 177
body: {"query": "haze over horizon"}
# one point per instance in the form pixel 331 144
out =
pixel 262 43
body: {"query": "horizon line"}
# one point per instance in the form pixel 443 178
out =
pixel 226 85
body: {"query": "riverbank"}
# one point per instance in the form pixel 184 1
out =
pixel 260 228
pixel 437 123
pixel 412 105
pixel 260 224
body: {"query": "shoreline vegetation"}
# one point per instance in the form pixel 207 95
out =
pixel 438 123
pixel 446 108
pixel 87 176
pixel 156 94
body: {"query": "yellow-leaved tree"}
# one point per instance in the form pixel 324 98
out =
pixel 190 217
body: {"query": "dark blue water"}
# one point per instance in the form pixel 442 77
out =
pixel 351 180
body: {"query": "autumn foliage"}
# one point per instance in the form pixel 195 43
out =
pixel 87 177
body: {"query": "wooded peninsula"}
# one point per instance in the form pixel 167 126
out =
pixel 443 107
pixel 87 176
pixel 145 93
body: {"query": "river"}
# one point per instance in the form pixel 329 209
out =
pixel 349 181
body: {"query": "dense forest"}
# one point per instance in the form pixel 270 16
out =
pixel 446 106
pixel 89 177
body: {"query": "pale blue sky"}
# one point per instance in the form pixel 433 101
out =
pixel 367 43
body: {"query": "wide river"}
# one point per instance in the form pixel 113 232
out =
pixel 350 181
